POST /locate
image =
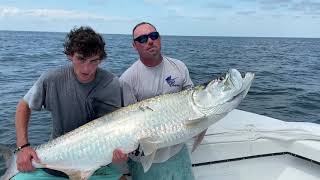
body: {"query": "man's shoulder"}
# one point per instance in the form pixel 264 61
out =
pixel 134 66
pixel 105 74
pixel 175 64
pixel 131 71
pixel 56 73
pixel 174 61
pixel 107 78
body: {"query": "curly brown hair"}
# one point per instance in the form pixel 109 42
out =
pixel 85 41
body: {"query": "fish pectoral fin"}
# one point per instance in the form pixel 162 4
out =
pixel 79 175
pixel 195 121
pixel 198 140
pixel 146 161
pixel 149 145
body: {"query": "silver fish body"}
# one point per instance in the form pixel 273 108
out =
pixel 154 123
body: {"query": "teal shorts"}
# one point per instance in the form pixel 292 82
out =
pixel 104 173
pixel 178 167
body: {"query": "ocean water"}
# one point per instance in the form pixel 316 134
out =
pixel 287 83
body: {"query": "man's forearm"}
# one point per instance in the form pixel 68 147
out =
pixel 22 119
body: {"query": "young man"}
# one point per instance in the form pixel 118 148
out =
pixel 74 95
pixel 154 74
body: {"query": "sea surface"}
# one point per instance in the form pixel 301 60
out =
pixel 286 86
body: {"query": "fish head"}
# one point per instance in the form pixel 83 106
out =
pixel 222 94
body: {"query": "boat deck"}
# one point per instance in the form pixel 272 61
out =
pixel 273 167
pixel 247 146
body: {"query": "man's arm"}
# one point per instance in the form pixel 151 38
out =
pixel 23 113
pixel 26 154
pixel 187 82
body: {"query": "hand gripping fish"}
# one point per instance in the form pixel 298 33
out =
pixel 151 124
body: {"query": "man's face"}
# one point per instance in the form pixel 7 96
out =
pixel 85 68
pixel 150 48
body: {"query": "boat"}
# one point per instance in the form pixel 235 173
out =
pixel 248 146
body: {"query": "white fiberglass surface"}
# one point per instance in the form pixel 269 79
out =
pixel 278 167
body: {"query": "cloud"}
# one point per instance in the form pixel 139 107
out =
pixel 8 11
pixel 270 5
pixel 306 7
pixel 277 15
pixel 275 2
pixel 157 2
pixel 181 13
pixel 177 11
pixel 202 18
pixel 55 14
pixel 215 5
pixel 287 8
pixel 98 2
pixel 246 13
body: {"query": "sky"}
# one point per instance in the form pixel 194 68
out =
pixel 243 18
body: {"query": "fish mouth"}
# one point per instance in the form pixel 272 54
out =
pixel 244 87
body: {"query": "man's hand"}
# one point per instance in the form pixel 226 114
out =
pixel 24 159
pixel 119 157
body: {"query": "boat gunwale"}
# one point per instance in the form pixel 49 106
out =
pixel 253 157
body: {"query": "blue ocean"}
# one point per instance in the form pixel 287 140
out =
pixel 286 86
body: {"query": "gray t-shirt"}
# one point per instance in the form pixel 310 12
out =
pixel 71 102
pixel 140 82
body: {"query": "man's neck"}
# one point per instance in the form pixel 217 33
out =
pixel 151 62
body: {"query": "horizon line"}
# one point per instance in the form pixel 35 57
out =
pixel 219 36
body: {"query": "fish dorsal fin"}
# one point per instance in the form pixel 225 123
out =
pixel 146 161
pixel 198 140
pixel 149 145
pixel 79 175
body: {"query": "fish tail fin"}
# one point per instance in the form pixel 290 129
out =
pixel 6 154
pixel 9 158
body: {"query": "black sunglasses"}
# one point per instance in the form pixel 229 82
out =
pixel 144 38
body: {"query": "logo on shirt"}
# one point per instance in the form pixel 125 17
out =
pixel 171 81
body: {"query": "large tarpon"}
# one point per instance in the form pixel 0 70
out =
pixel 151 124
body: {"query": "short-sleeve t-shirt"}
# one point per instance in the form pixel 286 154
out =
pixel 71 102
pixel 140 82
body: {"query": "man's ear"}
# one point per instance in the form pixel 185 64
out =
pixel 69 57
pixel 134 45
